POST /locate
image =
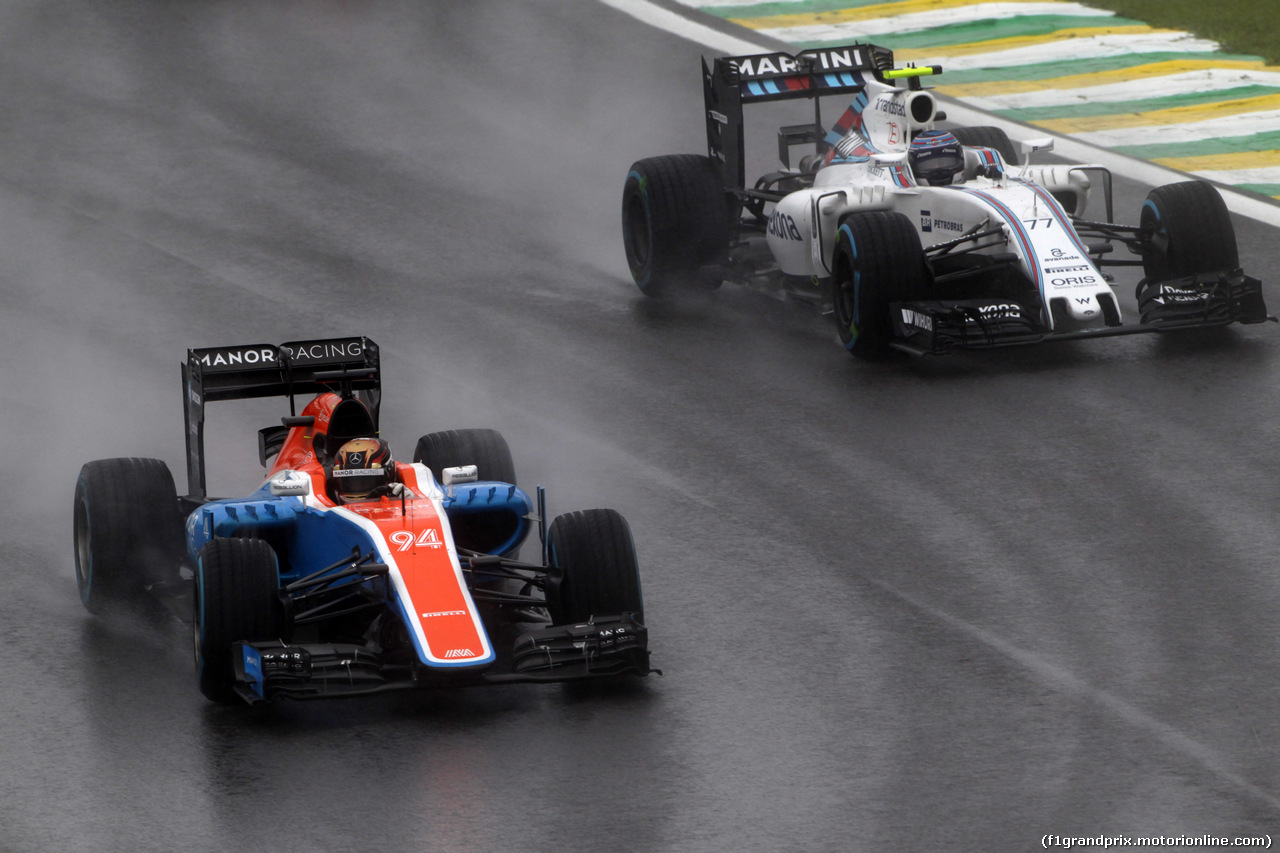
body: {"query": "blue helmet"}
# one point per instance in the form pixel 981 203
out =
pixel 936 157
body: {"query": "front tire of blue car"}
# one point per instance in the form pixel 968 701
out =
pixel 878 261
pixel 236 599
pixel 594 571
pixel 128 530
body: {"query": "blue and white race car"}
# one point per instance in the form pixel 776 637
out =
pixel 344 572
pixel 919 238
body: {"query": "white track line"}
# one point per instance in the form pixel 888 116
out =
pixel 1065 50
pixel 676 24
pixel 1062 679
pixel 917 21
pixel 1261 175
pixel 698 4
pixel 1172 85
pixel 1129 167
pixel 1265 121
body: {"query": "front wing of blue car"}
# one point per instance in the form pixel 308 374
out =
pixel 603 647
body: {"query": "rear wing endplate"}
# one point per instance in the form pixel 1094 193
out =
pixel 348 366
pixel 733 81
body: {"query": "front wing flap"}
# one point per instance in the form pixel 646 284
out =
pixel 939 326
pixel 265 670
pixel 602 647
pixel 1208 299
pixel 612 645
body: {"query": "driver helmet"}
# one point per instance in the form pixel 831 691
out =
pixel 360 467
pixel 936 157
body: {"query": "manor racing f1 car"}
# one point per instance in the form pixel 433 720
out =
pixel 344 573
pixel 995 253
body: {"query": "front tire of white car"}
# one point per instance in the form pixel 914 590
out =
pixel 878 261
pixel 1186 230
pixel 988 137
pixel 128 530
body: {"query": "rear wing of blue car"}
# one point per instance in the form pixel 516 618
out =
pixel 732 81
pixel 348 366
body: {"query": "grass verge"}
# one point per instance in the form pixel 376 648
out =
pixel 1242 26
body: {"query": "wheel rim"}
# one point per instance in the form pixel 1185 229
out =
pixel 1157 262
pixel 84 553
pixel 637 228
pixel 844 296
pixel 196 621
pixel 843 303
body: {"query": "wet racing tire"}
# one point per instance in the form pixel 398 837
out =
pixel 675 222
pixel 236 598
pixel 878 260
pixel 1186 229
pixel 988 137
pixel 128 530
pixel 484 448
pixel 593 567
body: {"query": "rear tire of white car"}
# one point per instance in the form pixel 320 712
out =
pixel 1186 229
pixel 878 261
pixel 484 448
pixel 594 571
pixel 128 530
pixel 675 222
pixel 236 599
pixel 988 137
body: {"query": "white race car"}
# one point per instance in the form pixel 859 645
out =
pixel 919 239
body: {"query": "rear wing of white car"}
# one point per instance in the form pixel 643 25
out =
pixel 732 81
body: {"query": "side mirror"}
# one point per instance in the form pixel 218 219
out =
pixel 1031 146
pixel 460 474
pixel 289 482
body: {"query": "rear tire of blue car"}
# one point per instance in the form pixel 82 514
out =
pixel 484 448
pixel 236 598
pixel 676 222
pixel 988 137
pixel 487 450
pixel 1186 229
pixel 594 571
pixel 128 530
pixel 878 261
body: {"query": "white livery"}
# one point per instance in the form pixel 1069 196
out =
pixel 995 249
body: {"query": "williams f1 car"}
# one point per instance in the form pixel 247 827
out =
pixel 917 238
pixel 346 573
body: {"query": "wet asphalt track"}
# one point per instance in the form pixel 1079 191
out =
pixel 943 604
